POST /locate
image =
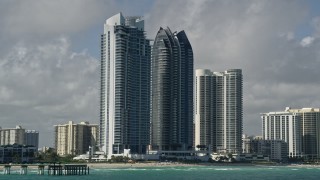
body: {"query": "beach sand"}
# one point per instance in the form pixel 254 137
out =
pixel 137 165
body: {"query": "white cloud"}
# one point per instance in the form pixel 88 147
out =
pixel 307 41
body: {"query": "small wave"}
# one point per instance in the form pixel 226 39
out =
pixel 208 168
pixel 157 169
pixel 134 169
pixel 112 169
pixel 190 169
pixel 222 169
pixel 294 169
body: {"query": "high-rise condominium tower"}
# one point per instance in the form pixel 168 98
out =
pixel 205 110
pixel 283 125
pixel 310 131
pixel 172 91
pixel 218 110
pixel 125 86
pixel 229 106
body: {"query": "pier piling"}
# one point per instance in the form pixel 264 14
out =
pixel 41 170
pixel 23 169
pixel 6 169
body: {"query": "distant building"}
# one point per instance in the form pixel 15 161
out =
pixel 19 135
pixel 246 143
pixel 11 136
pixel 17 153
pixel 254 157
pixel 45 149
pixel 75 139
pixel 283 126
pixel 276 150
pixel 219 110
pixel 31 137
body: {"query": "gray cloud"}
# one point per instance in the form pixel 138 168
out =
pixel 279 68
pixel 51 17
pixel 44 81
pixel 47 84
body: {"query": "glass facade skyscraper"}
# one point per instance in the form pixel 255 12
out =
pixel 125 86
pixel 172 92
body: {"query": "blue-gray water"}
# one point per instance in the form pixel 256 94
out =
pixel 190 172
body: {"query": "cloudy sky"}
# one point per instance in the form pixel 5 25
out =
pixel 49 53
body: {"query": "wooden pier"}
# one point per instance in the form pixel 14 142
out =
pixel 68 169
pixel 55 169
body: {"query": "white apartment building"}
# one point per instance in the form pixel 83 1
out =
pixel 219 110
pixel 75 139
pixel 9 136
pixel 205 123
pixel 285 126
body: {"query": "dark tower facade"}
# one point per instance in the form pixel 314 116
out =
pixel 171 91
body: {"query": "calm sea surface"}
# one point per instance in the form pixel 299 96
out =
pixel 190 172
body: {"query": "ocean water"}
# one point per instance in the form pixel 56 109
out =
pixel 188 173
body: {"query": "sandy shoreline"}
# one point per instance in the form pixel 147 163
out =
pixel 165 164
pixel 137 165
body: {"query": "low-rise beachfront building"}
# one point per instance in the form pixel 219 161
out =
pixel 256 148
pixel 90 156
pixel 17 153
pixel 254 157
